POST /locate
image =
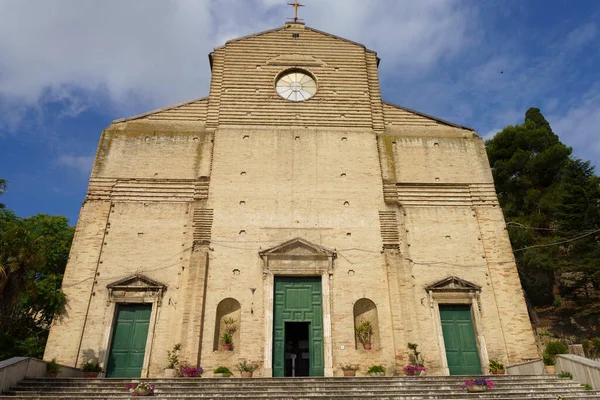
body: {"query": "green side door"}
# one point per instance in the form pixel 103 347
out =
pixel 129 337
pixel 459 339
pixel 298 299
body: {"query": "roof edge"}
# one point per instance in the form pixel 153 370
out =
pixel 442 121
pixel 306 27
pixel 138 116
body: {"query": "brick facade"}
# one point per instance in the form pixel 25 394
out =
pixel 189 196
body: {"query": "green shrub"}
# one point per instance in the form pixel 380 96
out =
pixel 376 368
pixel 91 366
pixel 496 365
pixel 552 350
pixel 565 375
pixel 222 370
pixel 52 367
pixel 587 387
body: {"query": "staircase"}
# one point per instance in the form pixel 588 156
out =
pixel 401 388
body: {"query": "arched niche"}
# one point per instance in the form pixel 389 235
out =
pixel 366 310
pixel 227 309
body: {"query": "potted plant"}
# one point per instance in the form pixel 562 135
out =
pixel 364 331
pixel 496 367
pixel 173 357
pixel 91 369
pixel 246 369
pixel 477 385
pixel 349 369
pixel 416 366
pixel 188 371
pixel 221 372
pixel 552 349
pixel 52 368
pixel 140 389
pixel 376 370
pixel 228 331
pixel 227 341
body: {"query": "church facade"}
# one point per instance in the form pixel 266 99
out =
pixel 271 219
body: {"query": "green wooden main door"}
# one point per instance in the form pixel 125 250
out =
pixel 459 339
pixel 298 299
pixel 129 337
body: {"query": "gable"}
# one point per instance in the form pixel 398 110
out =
pixel 298 247
pixel 138 282
pixel 193 110
pixel 401 116
pixel 453 284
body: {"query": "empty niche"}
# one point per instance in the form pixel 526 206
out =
pixel 365 310
pixel 227 310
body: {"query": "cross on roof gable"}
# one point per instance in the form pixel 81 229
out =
pixel 453 284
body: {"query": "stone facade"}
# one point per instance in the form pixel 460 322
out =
pixel 198 207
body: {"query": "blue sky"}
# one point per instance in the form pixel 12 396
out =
pixel 69 67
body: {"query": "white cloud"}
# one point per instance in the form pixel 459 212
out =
pixel 581 35
pixel 578 125
pixel 81 163
pixel 141 55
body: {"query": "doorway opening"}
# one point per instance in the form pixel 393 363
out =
pixel 297 353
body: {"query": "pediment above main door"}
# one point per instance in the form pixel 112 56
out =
pixel 298 257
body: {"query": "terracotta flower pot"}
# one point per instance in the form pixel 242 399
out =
pixel 227 347
pixel 51 374
pixel 367 346
pixel 350 373
pixel 246 374
pixel 498 372
pixel 550 369
pixel 476 388
pixel 90 374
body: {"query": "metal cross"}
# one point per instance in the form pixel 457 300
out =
pixel 295 4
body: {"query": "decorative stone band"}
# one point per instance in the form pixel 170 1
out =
pixel 166 190
pixel 436 195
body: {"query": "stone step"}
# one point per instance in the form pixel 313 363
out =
pixel 380 388
pixel 364 392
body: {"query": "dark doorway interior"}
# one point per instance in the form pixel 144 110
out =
pixel 297 361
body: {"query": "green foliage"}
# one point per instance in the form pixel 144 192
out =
pixel 3 187
pixel 565 375
pixel 33 256
pixel 415 358
pixel 245 367
pixel 591 347
pixel 52 367
pixel 552 349
pixel 173 356
pixel 364 331
pixel 222 370
pixel 350 367
pixel 226 338
pixel 91 366
pixel 547 196
pixel 587 387
pixel 496 365
pixel 557 303
pixel 376 369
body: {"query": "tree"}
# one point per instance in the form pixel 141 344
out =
pixel 33 257
pixel 2 190
pixel 547 197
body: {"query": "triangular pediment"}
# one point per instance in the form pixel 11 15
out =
pixel 138 281
pixel 298 247
pixel 454 284
pixel 296 60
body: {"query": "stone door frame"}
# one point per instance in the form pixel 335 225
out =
pixel 454 290
pixel 297 257
pixel 136 289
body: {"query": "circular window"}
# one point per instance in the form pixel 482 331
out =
pixel 296 85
